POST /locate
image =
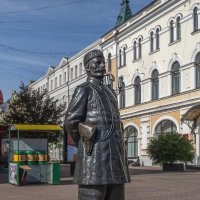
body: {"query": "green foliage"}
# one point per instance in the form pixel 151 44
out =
pixel 31 107
pixel 170 148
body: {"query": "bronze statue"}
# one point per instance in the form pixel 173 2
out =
pixel 93 121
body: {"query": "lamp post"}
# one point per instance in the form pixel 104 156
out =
pixel 108 80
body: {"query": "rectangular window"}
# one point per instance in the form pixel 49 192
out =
pixel 51 84
pixel 178 29
pixel 151 42
pixel 155 90
pixel 137 94
pixel 197 77
pixel 134 51
pixel 157 39
pixel 120 58
pixel 80 69
pixel 71 73
pixel 171 31
pixel 196 19
pixel 176 84
pixel 60 80
pixel 65 77
pixel 76 71
pixel 56 82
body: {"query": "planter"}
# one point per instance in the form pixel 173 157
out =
pixel 173 167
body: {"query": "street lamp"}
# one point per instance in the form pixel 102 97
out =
pixel 108 80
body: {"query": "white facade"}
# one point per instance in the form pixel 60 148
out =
pixel 62 80
pixel 159 37
pixel 155 54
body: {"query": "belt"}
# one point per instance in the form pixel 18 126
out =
pixel 108 127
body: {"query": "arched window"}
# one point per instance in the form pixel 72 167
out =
pixel 155 85
pixel 109 62
pixel 124 56
pixel 139 48
pixel 131 141
pixel 195 18
pixel 175 78
pixel 122 88
pixel 151 41
pixel 171 31
pixel 134 50
pixel 137 86
pixel 178 28
pixel 165 126
pixel 157 39
pixel 197 62
pixel 120 58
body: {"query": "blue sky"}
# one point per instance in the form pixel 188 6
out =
pixel 35 34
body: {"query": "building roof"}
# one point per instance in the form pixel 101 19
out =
pixel 125 13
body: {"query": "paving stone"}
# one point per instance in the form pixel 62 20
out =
pixel 147 184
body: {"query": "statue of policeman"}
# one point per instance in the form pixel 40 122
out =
pixel 93 121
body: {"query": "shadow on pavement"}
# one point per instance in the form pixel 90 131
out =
pixel 66 182
pixel 3 178
pixel 145 170
pixel 156 170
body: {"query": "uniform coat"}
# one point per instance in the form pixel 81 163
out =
pixel 94 103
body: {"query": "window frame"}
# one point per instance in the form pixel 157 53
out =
pixel 120 58
pixel 160 126
pixel 155 85
pixel 131 132
pixel 71 74
pixel 197 63
pixel 135 50
pixel 139 48
pixel 60 80
pixel 137 87
pixel 157 39
pixel 171 31
pixel 109 63
pixel 176 77
pixel 195 19
pixel 178 28
pixel 76 71
pixel 151 42
pixel 122 94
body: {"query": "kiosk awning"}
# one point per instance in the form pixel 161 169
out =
pixel 35 127
pixel 192 114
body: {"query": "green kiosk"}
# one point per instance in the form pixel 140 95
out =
pixel 28 155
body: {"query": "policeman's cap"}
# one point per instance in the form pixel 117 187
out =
pixel 92 54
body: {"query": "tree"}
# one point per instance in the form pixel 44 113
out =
pixel 29 106
pixel 170 148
